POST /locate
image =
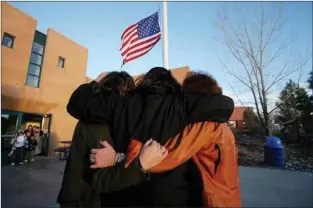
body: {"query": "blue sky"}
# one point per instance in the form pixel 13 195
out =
pixel 192 32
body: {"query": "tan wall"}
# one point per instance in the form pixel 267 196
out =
pixel 56 84
pixel 178 73
pixel 15 61
pixel 88 79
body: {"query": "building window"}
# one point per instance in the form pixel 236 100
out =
pixel 61 62
pixel 36 59
pixel 37 48
pixel 8 40
pixel 32 81
pixel 35 65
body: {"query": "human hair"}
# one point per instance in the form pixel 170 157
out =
pixel 119 82
pixel 159 77
pixel 29 126
pixel 199 82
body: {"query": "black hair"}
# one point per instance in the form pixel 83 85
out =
pixel 118 82
pixel 159 77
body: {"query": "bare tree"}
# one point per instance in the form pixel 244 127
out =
pixel 266 60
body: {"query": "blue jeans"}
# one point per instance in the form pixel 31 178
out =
pixel 19 154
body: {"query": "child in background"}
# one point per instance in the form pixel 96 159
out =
pixel 18 143
pixel 30 148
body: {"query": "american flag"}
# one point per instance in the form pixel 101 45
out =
pixel 138 39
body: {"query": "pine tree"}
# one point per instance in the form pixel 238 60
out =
pixel 292 108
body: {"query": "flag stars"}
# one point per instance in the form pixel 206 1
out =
pixel 147 29
pixel 148 26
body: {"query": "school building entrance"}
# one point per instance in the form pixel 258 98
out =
pixel 11 121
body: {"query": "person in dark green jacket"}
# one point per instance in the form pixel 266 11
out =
pixel 75 191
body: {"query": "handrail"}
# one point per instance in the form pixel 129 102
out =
pixel 7 136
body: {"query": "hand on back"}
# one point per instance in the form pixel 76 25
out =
pixel 104 157
pixel 152 153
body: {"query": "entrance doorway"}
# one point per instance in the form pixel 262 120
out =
pixel 43 122
pixel 11 121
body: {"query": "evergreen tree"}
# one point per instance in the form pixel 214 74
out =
pixel 292 108
pixel 310 80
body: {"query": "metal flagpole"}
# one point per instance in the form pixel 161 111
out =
pixel 165 38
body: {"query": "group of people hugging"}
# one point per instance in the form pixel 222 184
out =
pixel 152 142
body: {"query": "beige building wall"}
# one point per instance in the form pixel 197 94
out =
pixel 88 79
pixel 56 84
pixel 178 73
pixel 15 61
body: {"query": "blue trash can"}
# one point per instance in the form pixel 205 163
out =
pixel 274 152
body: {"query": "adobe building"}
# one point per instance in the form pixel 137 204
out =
pixel 39 73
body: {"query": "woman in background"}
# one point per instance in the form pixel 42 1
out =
pixel 38 137
pixel 29 129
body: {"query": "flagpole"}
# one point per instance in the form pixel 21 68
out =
pixel 165 38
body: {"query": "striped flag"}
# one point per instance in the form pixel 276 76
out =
pixel 138 39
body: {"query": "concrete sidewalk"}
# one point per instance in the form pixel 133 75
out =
pixel 37 185
pixel 261 187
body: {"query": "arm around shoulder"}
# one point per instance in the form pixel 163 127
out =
pixel 201 107
pixel 117 177
pixel 84 104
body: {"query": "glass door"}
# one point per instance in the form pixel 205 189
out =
pixel 45 127
pixel 10 122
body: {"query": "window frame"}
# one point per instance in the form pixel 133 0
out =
pixel 35 64
pixel 10 36
pixel 37 55
pixel 63 59
pixel 36 52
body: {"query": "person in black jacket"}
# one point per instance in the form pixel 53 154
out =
pixel 159 109
pixel 75 192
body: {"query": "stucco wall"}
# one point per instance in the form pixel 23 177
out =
pixel 178 73
pixel 56 84
pixel 15 60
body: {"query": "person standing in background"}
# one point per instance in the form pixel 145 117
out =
pixel 18 143
pixel 38 138
pixel 29 129
pixel 30 148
